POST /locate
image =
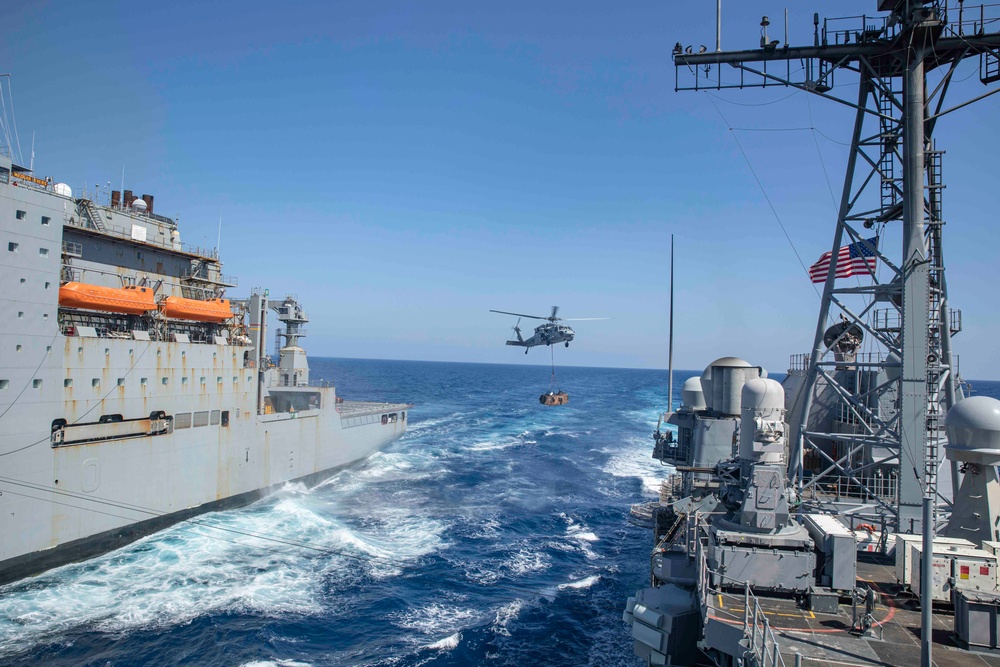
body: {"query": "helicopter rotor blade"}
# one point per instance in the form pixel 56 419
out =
pixel 555 309
pixel 586 319
pixel 504 312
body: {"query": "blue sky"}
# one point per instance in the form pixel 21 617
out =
pixel 404 168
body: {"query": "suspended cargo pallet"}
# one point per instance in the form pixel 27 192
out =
pixel 560 398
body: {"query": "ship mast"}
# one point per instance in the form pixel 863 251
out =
pixel 887 408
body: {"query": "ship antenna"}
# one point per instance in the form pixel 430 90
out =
pixel 13 119
pixel 218 243
pixel 670 345
pixel 3 117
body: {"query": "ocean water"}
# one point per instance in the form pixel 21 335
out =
pixel 494 532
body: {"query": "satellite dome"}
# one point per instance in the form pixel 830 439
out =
pixel 139 205
pixel 973 428
pixel 62 189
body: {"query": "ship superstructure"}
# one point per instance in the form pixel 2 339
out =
pixel 864 481
pixel 133 392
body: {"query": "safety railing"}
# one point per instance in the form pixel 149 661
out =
pixel 72 249
pixel 119 232
pixel 763 646
pixel 759 640
pixel 203 275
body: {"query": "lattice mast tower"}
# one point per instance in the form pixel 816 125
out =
pixel 892 151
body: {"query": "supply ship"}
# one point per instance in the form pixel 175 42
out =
pixel 849 514
pixel 133 392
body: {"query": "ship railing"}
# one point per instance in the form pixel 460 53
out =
pixel 672 487
pixel 204 276
pixel 301 331
pixel 282 382
pixel 882 487
pixel 972 21
pixel 120 232
pixel 861 360
pixel 856 29
pixel 763 646
pixel 72 249
pixel 759 640
pixel 23 180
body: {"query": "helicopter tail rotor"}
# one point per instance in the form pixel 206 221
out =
pixel 517 331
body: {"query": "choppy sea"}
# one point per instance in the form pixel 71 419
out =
pixel 494 532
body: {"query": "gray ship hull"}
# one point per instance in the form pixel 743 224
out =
pixel 113 426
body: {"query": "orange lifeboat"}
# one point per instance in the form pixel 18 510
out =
pixel 131 300
pixel 213 310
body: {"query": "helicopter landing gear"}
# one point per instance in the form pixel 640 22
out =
pixel 526 350
pixel 567 344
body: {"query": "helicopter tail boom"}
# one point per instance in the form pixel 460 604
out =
pixel 517 332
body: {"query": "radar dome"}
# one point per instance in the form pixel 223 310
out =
pixel 722 382
pixel 62 189
pixel 763 394
pixel 973 428
pixel 691 394
pixel 139 205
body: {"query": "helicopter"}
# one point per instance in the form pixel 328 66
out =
pixel 545 334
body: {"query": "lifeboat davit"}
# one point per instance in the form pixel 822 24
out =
pixel 213 310
pixel 131 300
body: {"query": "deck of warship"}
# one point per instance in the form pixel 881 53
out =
pixel 828 639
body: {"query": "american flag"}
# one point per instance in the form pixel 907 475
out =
pixel 851 259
